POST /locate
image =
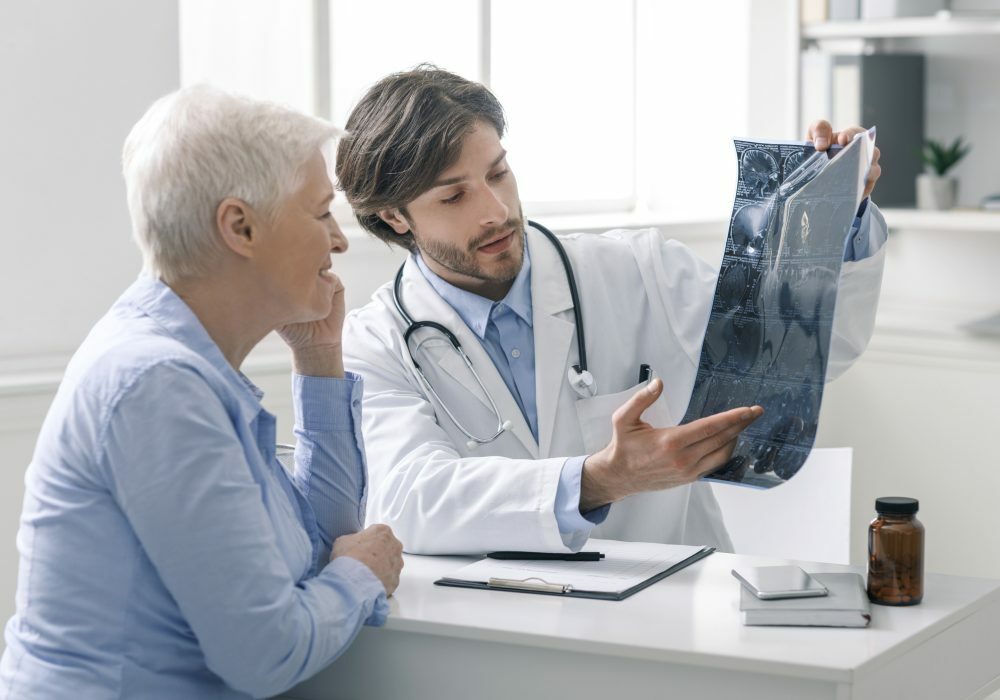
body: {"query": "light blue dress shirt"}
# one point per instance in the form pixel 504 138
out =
pixel 165 553
pixel 861 243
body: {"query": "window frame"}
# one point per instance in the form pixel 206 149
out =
pixel 324 107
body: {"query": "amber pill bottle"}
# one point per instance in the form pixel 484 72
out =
pixel 896 553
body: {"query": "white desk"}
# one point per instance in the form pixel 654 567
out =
pixel 680 638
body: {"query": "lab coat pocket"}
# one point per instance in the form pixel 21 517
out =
pixel 594 415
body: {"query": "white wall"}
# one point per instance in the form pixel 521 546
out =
pixel 920 408
pixel 76 76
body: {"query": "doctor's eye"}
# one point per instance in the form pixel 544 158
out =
pixel 453 199
pixel 496 177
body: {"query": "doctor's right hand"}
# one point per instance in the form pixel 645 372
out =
pixel 643 458
pixel 378 549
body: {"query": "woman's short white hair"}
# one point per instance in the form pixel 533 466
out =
pixel 194 148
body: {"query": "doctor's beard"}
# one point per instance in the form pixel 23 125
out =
pixel 504 267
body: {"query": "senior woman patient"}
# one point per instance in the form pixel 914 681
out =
pixel 164 551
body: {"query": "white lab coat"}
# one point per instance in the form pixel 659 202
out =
pixel 645 299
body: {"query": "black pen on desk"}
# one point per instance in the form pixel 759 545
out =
pixel 547 556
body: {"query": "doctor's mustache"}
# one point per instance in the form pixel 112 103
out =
pixel 517 223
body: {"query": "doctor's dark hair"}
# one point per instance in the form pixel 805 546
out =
pixel 407 130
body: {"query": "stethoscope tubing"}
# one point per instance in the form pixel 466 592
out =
pixel 413 326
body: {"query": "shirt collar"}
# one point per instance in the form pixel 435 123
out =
pixel 158 301
pixel 474 309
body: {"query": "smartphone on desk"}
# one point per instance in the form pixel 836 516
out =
pixel 769 582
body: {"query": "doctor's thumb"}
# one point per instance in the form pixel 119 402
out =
pixel 631 411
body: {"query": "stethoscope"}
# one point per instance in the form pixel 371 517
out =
pixel 579 378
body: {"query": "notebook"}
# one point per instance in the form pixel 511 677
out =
pixel 846 605
pixel 627 568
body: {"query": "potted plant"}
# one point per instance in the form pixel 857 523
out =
pixel 935 189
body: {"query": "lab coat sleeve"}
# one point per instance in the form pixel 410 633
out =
pixel 857 299
pixel 436 500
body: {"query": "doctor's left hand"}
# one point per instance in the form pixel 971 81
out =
pixel 823 136
pixel 317 345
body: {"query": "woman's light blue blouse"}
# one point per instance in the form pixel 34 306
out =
pixel 164 551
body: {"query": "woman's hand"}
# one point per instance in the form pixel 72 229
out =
pixel 317 345
pixel 378 549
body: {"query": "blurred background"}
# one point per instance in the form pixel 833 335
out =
pixel 622 113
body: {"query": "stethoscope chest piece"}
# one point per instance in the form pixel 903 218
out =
pixel 582 382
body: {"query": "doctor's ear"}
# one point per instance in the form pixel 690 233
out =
pixel 395 219
pixel 237 225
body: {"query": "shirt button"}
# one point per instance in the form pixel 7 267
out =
pixel 515 353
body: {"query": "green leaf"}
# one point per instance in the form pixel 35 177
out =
pixel 941 158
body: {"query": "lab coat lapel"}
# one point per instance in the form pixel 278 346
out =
pixel 424 304
pixel 554 331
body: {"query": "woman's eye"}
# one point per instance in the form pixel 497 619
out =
pixel 328 215
pixel 499 176
pixel 452 199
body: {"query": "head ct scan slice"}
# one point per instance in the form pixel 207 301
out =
pixel 768 335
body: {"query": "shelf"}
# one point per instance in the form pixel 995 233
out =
pixel 954 220
pixel 904 27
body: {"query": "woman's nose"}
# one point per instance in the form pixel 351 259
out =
pixel 338 241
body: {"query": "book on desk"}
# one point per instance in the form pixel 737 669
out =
pixel 626 569
pixel 846 605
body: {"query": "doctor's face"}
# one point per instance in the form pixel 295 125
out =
pixel 468 226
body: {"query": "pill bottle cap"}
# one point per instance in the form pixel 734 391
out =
pixel 894 505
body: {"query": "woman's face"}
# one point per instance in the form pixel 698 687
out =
pixel 295 252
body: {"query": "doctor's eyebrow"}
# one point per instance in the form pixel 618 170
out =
pixel 460 178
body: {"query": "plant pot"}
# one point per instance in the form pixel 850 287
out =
pixel 936 191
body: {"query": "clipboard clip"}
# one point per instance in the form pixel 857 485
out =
pixel 532 583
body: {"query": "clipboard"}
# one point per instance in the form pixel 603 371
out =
pixel 544 579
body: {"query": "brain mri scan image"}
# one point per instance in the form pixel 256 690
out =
pixel 759 171
pixel 793 161
pixel 734 284
pixel 749 226
pixel 768 334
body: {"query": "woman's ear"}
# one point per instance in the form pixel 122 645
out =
pixel 395 219
pixel 237 226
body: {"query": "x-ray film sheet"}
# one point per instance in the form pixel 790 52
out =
pixel 768 335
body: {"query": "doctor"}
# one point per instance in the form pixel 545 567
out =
pixel 525 450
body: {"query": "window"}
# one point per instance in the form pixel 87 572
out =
pixel 366 46
pixel 563 70
pixel 692 99
pixel 260 48
pixel 612 105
